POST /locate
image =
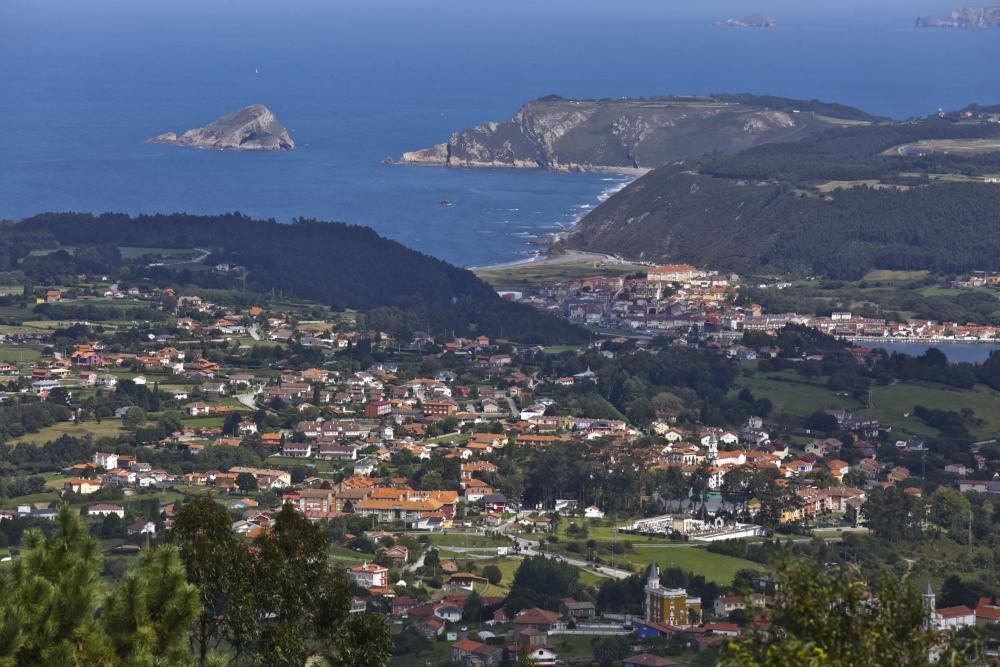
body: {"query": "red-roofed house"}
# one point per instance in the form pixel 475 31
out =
pixel 954 618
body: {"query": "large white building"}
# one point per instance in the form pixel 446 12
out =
pixel 370 575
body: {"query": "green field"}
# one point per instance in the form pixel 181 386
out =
pixel 42 499
pixel 204 422
pixel 508 566
pixel 32 326
pixel 129 253
pixel 560 268
pixel 109 428
pixel 886 276
pixel 644 550
pixel 601 533
pixel 893 402
pixel 714 567
pixel 790 392
pixel 13 354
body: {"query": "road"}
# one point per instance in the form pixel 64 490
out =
pixel 530 548
pixel 195 260
pixel 247 400
pixel 417 564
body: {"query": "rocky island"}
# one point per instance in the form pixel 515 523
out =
pixel 252 128
pixel 629 135
pixel 752 21
pixel 964 17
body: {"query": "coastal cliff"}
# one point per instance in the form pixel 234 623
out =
pixel 964 17
pixel 252 128
pixel 630 135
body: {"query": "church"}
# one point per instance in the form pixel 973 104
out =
pixel 672 606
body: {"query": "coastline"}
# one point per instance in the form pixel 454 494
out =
pixel 546 256
pixel 562 258
pixel 556 168
pixel 921 341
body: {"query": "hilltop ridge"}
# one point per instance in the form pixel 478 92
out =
pixel 631 134
pixel 916 195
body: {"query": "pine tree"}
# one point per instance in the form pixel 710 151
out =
pixel 49 597
pixel 149 615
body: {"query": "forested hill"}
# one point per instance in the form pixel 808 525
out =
pixel 915 195
pixel 344 266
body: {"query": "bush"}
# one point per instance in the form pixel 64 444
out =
pixel 493 574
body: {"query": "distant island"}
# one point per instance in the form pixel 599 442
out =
pixel 252 128
pixel 964 17
pixel 752 21
pixel 629 135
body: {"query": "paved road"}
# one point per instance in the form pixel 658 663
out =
pixel 417 564
pixel 177 262
pixel 530 548
pixel 247 400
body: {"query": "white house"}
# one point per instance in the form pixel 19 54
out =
pixel 954 618
pixel 543 656
pixel 108 461
pixel 593 512
pixel 370 575
pixel 106 510
pixel 449 613
pixel 142 528
pixel 198 409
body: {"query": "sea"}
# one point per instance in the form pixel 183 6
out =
pixel 82 84
pixel 957 353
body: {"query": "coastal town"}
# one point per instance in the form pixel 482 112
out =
pixel 431 461
pixel 680 298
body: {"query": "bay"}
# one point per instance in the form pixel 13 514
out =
pixel 83 84
pixel 973 353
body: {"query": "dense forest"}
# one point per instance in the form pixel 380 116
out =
pixel 343 266
pixel 837 204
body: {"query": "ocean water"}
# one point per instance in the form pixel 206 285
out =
pixel 973 353
pixel 82 84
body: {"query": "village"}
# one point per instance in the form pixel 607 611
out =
pixel 418 456
pixel 679 298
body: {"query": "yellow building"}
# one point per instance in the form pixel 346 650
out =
pixel 672 606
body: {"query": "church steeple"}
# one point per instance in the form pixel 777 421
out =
pixel 929 605
pixel 653 580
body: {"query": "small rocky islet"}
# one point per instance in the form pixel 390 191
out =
pixel 252 128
